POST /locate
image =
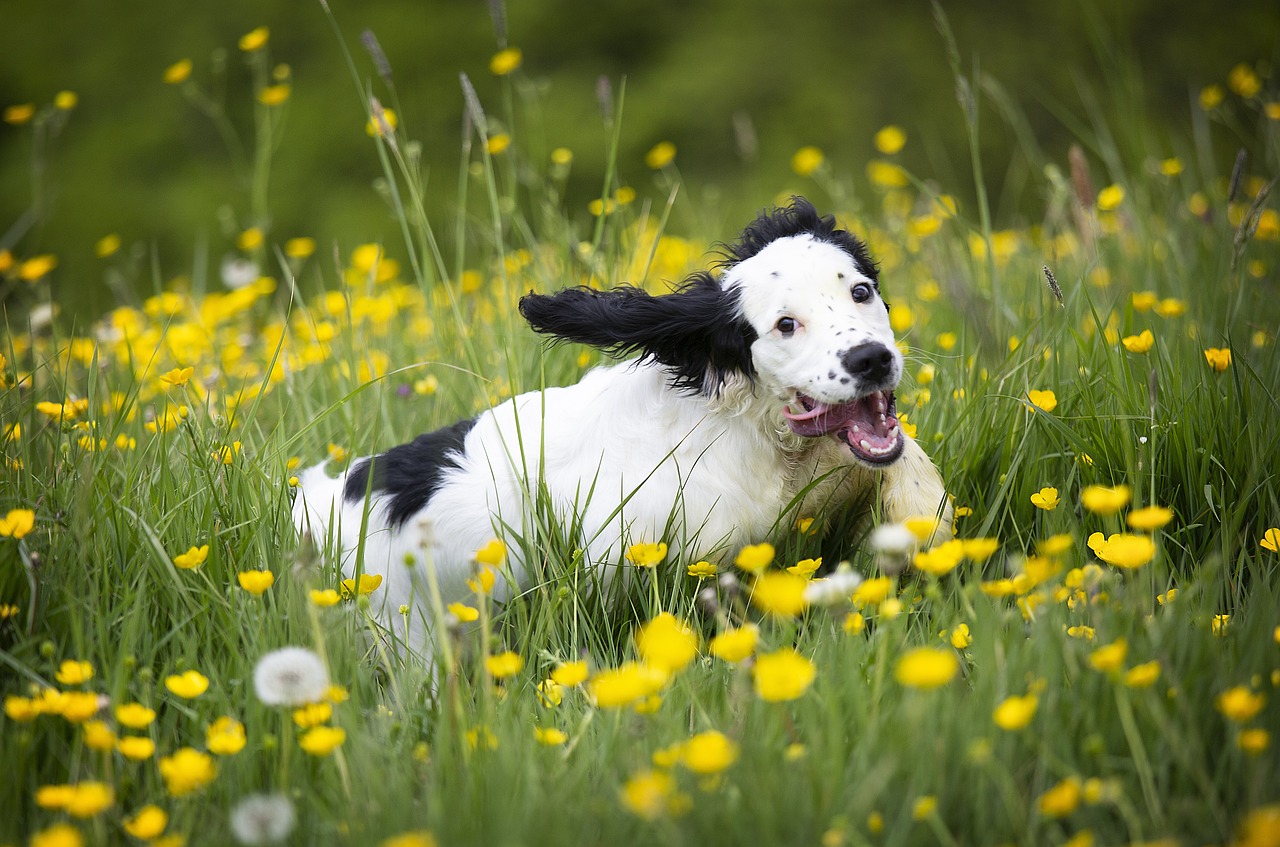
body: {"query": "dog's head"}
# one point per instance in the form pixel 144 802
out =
pixel 796 312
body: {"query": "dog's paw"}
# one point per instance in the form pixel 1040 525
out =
pixel 913 488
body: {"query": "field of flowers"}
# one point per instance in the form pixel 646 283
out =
pixel 1093 659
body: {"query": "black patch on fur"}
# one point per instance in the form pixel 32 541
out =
pixel 697 332
pixel 800 218
pixel 410 473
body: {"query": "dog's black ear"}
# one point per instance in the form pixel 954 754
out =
pixel 697 332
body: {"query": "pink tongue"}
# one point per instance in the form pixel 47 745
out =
pixel 824 419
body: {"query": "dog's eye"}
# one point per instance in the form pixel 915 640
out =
pixel 861 292
pixel 786 326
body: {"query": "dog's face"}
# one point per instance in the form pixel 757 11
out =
pixel 797 314
pixel 824 347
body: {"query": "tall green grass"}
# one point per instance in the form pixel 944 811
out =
pixel 350 356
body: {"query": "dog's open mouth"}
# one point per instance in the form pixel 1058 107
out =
pixel 868 425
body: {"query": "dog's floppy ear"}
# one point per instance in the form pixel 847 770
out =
pixel 697 332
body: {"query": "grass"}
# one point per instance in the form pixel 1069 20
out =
pixel 1147 704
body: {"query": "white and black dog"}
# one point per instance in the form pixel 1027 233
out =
pixel 760 395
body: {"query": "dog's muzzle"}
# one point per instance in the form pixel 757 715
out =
pixel 867 425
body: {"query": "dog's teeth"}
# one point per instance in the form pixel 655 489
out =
pixel 856 429
pixel 865 445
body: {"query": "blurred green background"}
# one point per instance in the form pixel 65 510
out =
pixel 736 85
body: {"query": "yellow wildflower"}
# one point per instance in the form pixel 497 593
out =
pixel 73 672
pixel 1046 498
pixel 1149 518
pixel 17 523
pixel 926 667
pixel 322 740
pixel 366 584
pixel 550 736
pixel 225 736
pixel 178 72
pixel 662 154
pixel 187 770
pixel 702 570
pixel 1254 742
pixel 708 753
pixel 1239 703
pixel 506 61
pixel 255 40
pixel 135 715
pixel 463 612
pixel 1218 359
pixel 58 835
pixel 782 675
pixel 570 674
pixel 734 645
pixel 1045 401
pixel 890 139
pixel 779 593
pixel 1062 799
pixel 146 823
pixel 505 664
pixel 625 684
pixel 667 643
pixel 1104 500
pixel 1110 198
pixel 193 558
pixel 873 592
pixel 1126 551
pixel 1271 540
pixel 646 555
pixel 1143 675
pixel 136 747
pixel 755 557
pixel 1110 657
pixel 188 684
pixel 806 161
pixel 492 553
pixel 325 597
pixel 1140 343
pixel 1015 712
pixel 256 582
pixel 649 794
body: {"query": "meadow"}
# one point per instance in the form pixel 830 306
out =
pixel 1093 659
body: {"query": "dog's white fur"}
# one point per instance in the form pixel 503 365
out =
pixel 639 461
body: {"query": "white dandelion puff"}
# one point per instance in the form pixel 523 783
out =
pixel 834 589
pixel 263 818
pixel 290 676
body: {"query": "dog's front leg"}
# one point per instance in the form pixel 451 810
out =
pixel 912 487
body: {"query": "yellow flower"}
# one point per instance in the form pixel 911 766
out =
pixel 1110 198
pixel 941 559
pixel 1254 742
pixel 312 714
pixel 193 558
pixel 72 672
pixel 225 736
pixel 256 582
pixel 926 667
pixel 702 570
pixel 979 549
pixel 187 770
pixel 1149 518
pixel 901 317
pixel 782 675
pixel 1219 624
pixel 807 160
pixel 1126 551
pixel 255 40
pixel 322 740
pixel 924 807
pixel 662 154
pixel 708 753
pixel 463 612
pixel 646 555
pixel 146 823
pixel 1243 80
pixel 570 674
pixel 550 693
pixel 299 248
pixel 1140 343
pixel 625 684
pixel 649 794
pixel 19 114
pixel 274 95
pixel 1104 500
pixel 505 61
pixel 381 123
pixel 17 523
pixel 325 597
pixel 1143 300
pixel 805 567
pixel 1239 703
pixel 505 664
pixel 873 592
pixel 1061 800
pixel 107 245
pixel 960 637
pixel 1015 712
pixel 492 554
pixel 1171 307
pixel 734 645
pixel 890 139
pixel 135 715
pixel 65 100
pixel 550 736
pixel 667 643
pixel 1218 359
pixel 136 747
pixel 99 736
pixel 1110 657
pixel 887 174
pixel 754 557
pixel 58 835
pixel 1045 401
pixel 482 582
pixel 498 144
pixel 188 684
pixel 417 838
pixel 1046 498
pixel 1143 675
pixel 779 593
pixel 367 584
pixel 1270 540
pixel 178 72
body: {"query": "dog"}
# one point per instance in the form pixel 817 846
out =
pixel 759 395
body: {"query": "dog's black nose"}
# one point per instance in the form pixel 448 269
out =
pixel 868 362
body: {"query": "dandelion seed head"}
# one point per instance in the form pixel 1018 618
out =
pixel 290 676
pixel 263 819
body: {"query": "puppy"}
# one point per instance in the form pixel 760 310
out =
pixel 758 396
